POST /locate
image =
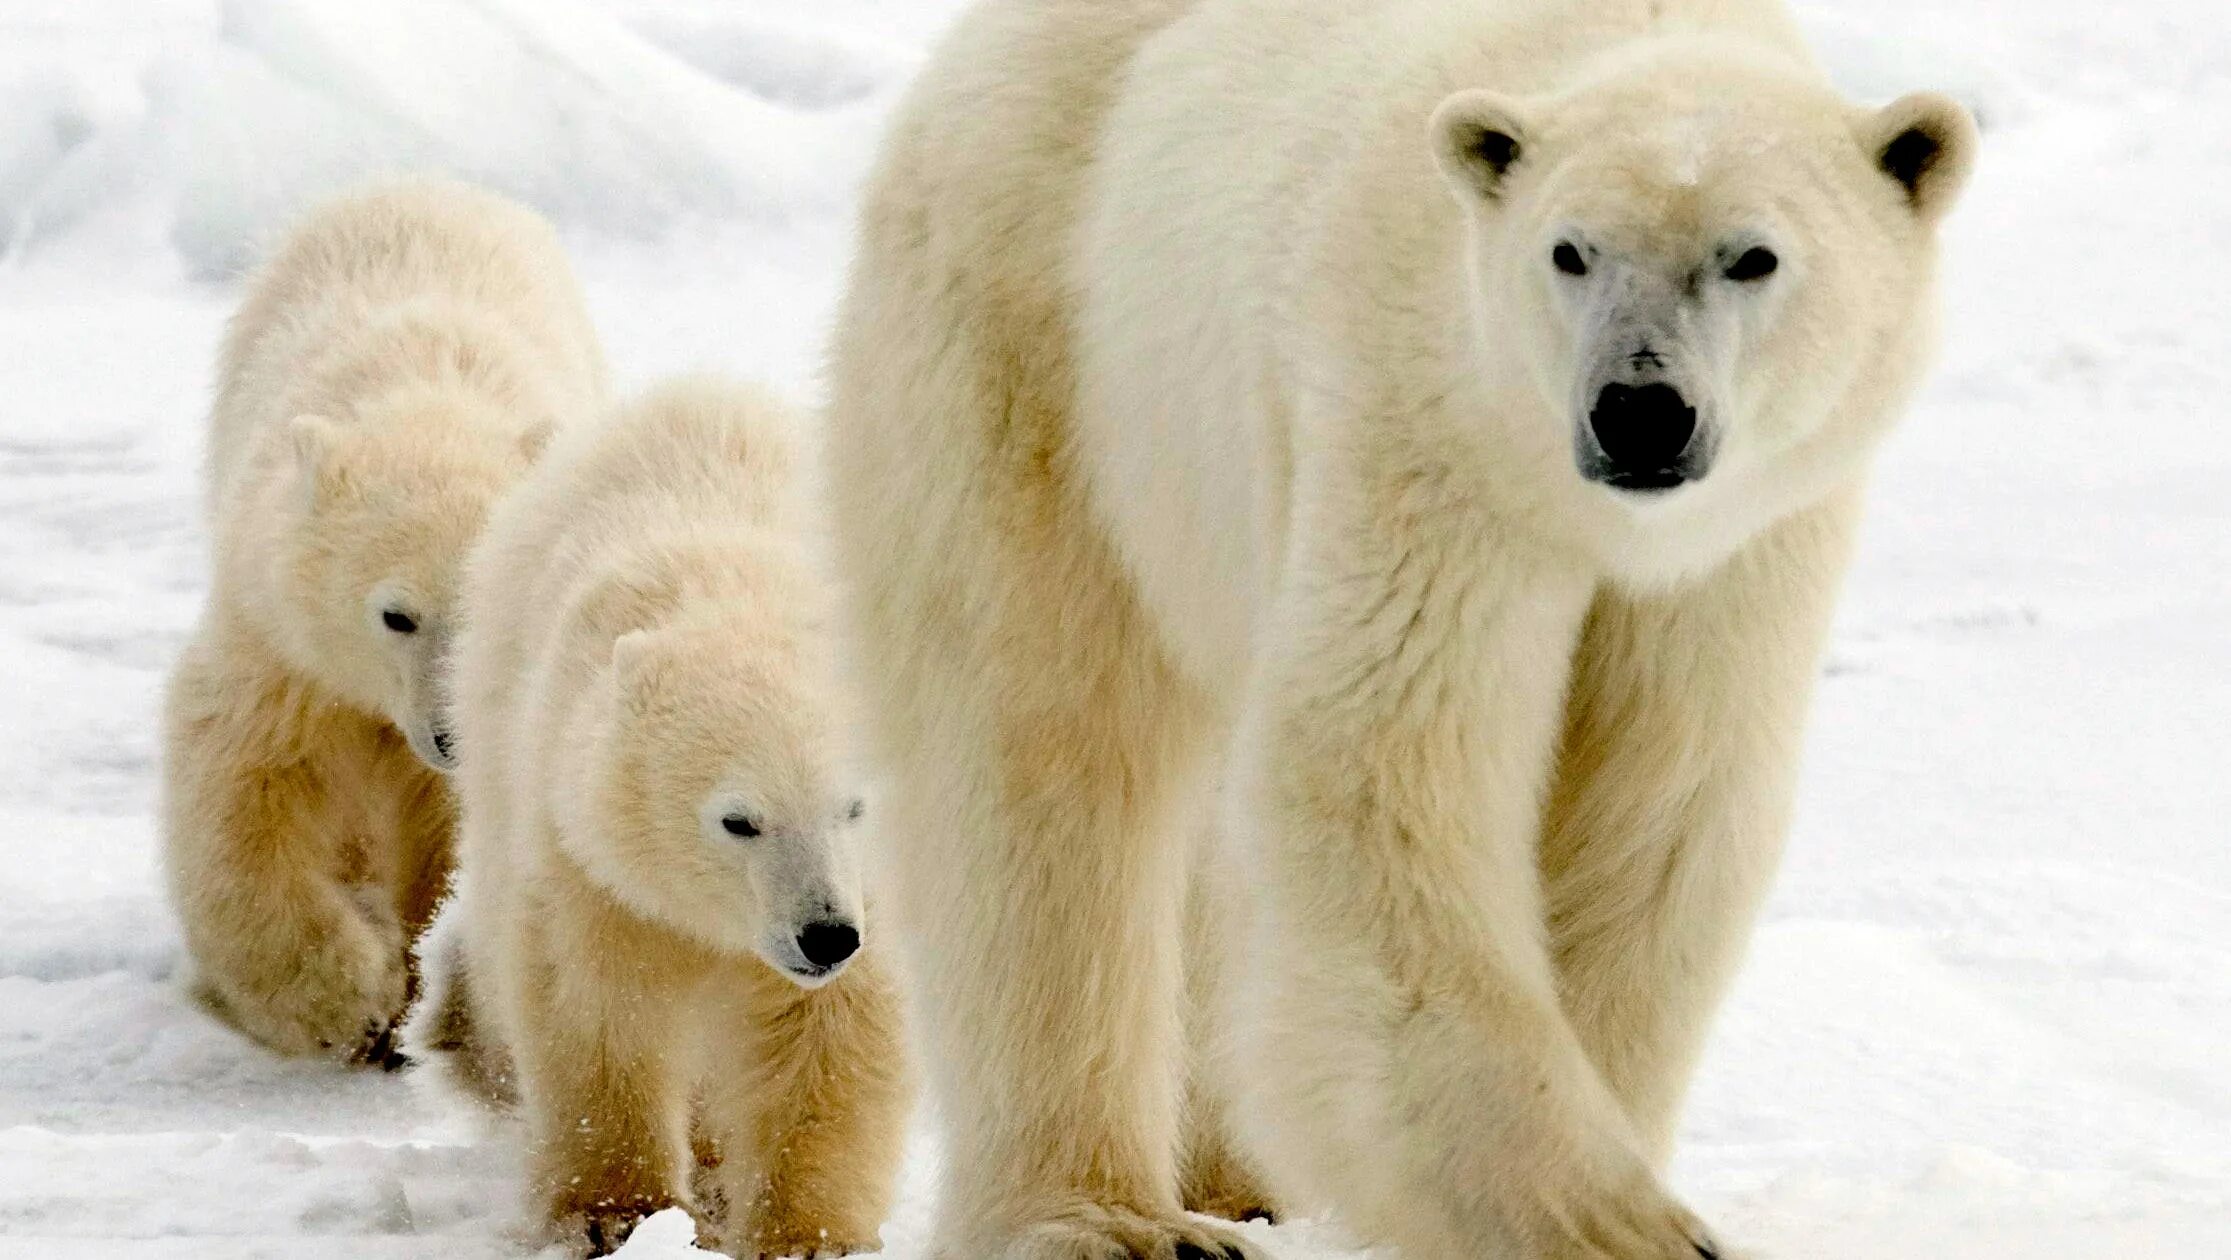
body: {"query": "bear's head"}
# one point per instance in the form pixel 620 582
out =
pixel 720 802
pixel 390 500
pixel 1710 265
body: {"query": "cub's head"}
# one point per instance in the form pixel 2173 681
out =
pixel 727 811
pixel 1703 257
pixel 389 502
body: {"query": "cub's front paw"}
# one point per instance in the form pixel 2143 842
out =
pixel 819 1247
pixel 761 1230
pixel 340 997
pixel 602 1227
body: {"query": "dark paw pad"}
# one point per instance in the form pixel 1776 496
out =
pixel 608 1234
pixel 379 1049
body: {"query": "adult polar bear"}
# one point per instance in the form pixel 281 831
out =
pixel 1443 424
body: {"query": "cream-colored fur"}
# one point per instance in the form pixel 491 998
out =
pixel 1208 405
pixel 645 664
pixel 392 371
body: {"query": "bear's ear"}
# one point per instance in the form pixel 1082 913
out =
pixel 1477 137
pixel 1926 142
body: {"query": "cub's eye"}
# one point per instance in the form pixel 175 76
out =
pixel 1757 263
pixel 854 810
pixel 398 621
pixel 1568 260
pixel 739 825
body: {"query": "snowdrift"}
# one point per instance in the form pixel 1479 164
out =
pixel 570 108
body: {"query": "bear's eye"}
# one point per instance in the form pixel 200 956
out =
pixel 739 825
pixel 1757 263
pixel 398 621
pixel 1568 259
pixel 855 809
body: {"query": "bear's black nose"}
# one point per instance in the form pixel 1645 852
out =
pixel 441 743
pixel 1642 431
pixel 828 943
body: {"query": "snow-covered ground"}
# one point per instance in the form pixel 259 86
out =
pixel 1988 1014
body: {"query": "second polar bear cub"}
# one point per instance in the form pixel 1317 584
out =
pixel 657 917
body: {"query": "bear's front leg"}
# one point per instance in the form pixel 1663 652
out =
pixel 1409 1060
pixel 1673 791
pixel 252 844
pixel 1216 1175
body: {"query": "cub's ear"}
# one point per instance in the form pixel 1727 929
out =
pixel 634 670
pixel 1477 136
pixel 314 438
pixel 1926 142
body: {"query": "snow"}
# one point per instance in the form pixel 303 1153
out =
pixel 1986 1011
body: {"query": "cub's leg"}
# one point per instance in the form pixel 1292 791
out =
pixel 425 841
pixel 803 1109
pixel 1408 1054
pixel 1215 1176
pixel 598 1005
pixel 1672 797
pixel 449 1029
pixel 255 844
pixel 410 839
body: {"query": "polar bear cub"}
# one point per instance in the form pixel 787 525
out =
pixel 658 920
pixel 396 365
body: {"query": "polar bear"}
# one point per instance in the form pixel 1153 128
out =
pixel 1432 429
pixel 393 369
pixel 659 912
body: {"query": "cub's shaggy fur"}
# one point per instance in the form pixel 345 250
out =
pixel 657 847
pixel 395 367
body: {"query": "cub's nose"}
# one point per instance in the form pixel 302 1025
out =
pixel 1643 431
pixel 444 745
pixel 827 943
